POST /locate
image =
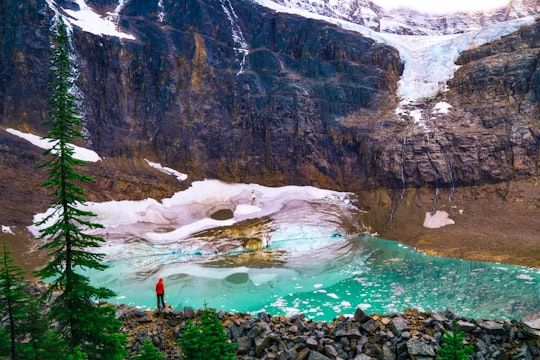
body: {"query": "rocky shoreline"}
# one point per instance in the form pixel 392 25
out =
pixel 410 335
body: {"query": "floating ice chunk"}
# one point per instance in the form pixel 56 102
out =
pixel 333 296
pixel 524 277
pixel 437 220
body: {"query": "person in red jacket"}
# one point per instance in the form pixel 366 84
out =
pixel 160 292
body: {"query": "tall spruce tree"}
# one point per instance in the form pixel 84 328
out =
pixel 80 322
pixel 12 298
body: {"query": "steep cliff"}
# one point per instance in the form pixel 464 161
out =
pixel 232 90
pixel 184 93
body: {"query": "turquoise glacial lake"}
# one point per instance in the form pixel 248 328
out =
pixel 321 274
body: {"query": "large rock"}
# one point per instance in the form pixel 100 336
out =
pixel 532 325
pixel 419 349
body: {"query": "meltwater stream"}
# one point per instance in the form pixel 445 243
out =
pixel 324 275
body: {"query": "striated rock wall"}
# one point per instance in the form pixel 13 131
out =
pixel 230 90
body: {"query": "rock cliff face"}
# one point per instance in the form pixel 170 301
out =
pixel 185 93
pixel 231 90
pixel 234 91
pixel 406 21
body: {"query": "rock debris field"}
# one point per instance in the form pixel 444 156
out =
pixel 410 335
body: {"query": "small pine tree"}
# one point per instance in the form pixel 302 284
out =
pixel 5 349
pixel 453 348
pixel 42 342
pixel 149 352
pixel 206 340
pixel 92 329
pixel 12 297
pixel 24 314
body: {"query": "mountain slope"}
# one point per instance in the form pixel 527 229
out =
pixel 237 91
pixel 405 21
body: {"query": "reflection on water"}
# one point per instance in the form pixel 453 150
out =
pixel 322 273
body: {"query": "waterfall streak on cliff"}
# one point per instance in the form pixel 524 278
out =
pixel 161 14
pixel 403 180
pixel 115 15
pixel 76 65
pixel 241 46
pixel 451 174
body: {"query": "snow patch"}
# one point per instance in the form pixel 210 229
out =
pixel 167 170
pixel 437 220
pixel 90 21
pixel 44 143
pixel 7 230
pixel 442 108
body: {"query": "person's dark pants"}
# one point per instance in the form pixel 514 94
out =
pixel 160 297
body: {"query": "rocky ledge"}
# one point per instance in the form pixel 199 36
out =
pixel 410 335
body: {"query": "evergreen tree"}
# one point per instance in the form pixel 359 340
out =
pixel 453 348
pixel 42 343
pixel 80 322
pixel 12 297
pixel 149 352
pixel 206 340
pixel 5 349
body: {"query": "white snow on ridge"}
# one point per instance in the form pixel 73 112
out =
pixel 43 143
pixel 429 60
pixel 167 170
pixel 90 21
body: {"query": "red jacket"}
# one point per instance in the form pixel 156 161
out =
pixel 160 288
